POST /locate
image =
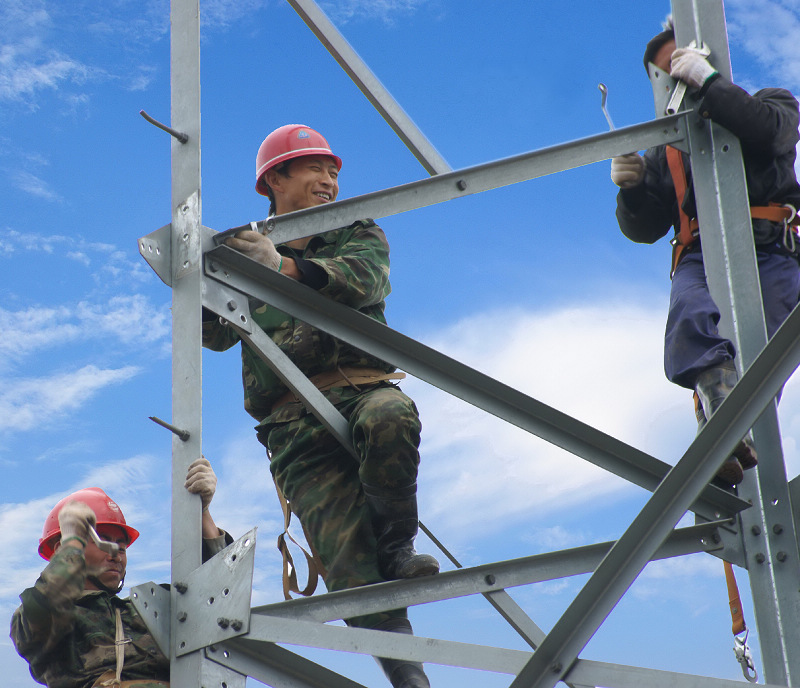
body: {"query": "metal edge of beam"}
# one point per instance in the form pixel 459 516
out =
pixel 453 377
pixel 625 676
pixel 369 84
pixel 475 179
pixel 682 485
pixel 275 665
pixel 734 283
pixel 382 644
pixel 486 578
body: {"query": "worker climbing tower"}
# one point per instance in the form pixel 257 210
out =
pixel 205 622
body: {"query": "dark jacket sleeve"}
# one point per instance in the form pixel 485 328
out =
pixel 645 212
pixel 46 614
pixel 765 123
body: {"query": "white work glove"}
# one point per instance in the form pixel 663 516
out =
pixel 256 246
pixel 627 171
pixel 75 519
pixel 690 66
pixel 201 480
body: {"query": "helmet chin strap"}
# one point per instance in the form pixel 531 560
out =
pixel 102 586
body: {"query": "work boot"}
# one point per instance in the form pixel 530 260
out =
pixel 401 674
pixel 712 387
pixel 395 523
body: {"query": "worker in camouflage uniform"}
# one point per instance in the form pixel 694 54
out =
pixel 360 515
pixel 71 622
pixel 656 193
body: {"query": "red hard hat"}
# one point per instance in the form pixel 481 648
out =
pixel 105 508
pixel 287 142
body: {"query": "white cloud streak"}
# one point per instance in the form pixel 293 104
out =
pixel 387 11
pixel 768 30
pixel 132 320
pixel 26 402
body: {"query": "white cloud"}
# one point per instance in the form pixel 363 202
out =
pixel 343 11
pixel 25 402
pixel 33 185
pixel 598 363
pixel 130 319
pixel 768 30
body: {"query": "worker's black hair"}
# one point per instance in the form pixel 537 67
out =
pixel 282 168
pixel 668 34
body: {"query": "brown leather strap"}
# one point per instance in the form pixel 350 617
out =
pixel 775 213
pixel 107 679
pixel 313 562
pixel 737 616
pixel 341 377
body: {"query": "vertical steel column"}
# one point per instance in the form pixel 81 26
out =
pixel 768 531
pixel 186 308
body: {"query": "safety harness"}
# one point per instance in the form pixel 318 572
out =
pixel 112 677
pixel 689 230
pixel 340 377
pixel 738 626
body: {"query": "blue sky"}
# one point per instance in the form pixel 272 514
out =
pixel 533 283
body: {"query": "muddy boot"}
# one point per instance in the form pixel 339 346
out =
pixel 401 674
pixel 712 387
pixel 395 522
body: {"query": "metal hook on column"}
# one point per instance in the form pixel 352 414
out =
pixel 182 434
pixel 183 138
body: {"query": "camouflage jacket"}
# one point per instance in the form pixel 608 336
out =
pixel 67 633
pixel 356 262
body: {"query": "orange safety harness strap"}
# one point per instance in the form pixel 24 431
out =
pixel 686 235
pixel 315 567
pixel 737 616
pixel 689 228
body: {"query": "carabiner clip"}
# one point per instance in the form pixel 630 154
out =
pixel 743 656
pixel 789 241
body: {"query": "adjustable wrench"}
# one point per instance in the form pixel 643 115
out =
pixel 676 99
pixel 604 90
pixel 111 548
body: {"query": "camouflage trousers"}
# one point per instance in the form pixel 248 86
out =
pixel 322 481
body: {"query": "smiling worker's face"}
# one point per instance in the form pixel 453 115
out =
pixel 309 181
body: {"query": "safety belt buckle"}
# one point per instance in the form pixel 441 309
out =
pixel 744 657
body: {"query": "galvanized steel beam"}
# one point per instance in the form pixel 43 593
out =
pixel 363 77
pixel 769 529
pixel 472 180
pixel 250 277
pixel 486 578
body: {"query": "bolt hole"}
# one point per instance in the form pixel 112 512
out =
pixel 775 502
pixel 185 263
pixel 211 600
pixel 226 592
pixel 183 644
pixel 726 148
pixel 226 654
pixel 155 614
pixel 158 250
pixel 243 318
pixel 247 542
pixel 233 557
